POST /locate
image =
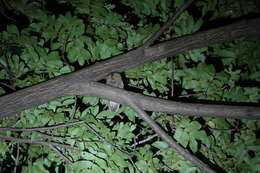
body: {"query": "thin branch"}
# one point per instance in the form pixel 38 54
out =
pixel 8 86
pixel 151 40
pixel 74 108
pixel 173 75
pixel 37 142
pixel 234 129
pixel 47 136
pixel 173 144
pixel 17 158
pixel 144 141
pixel 42 128
pixel 205 93
pixel 64 157
pixel 133 163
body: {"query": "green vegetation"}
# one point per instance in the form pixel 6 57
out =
pixel 59 38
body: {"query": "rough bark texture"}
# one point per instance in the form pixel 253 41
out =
pixel 159 105
pixel 65 85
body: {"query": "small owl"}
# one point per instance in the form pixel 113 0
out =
pixel 115 80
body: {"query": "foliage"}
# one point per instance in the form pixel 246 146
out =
pixel 56 42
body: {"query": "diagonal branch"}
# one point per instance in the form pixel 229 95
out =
pixel 173 144
pixel 166 25
pixel 63 156
pixel 64 85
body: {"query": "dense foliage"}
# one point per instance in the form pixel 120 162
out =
pixel 52 38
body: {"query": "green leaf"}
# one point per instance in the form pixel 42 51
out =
pixel 102 163
pixel 90 100
pixel 194 126
pixel 119 159
pixel 94 110
pixel 55 46
pixel 160 145
pixel 88 156
pixel 68 101
pixel 124 130
pixel 96 169
pixel 12 29
pixel 181 136
pixel 106 115
pixel 193 145
pixel 80 166
pixel 131 114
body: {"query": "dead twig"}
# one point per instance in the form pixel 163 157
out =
pixel 37 142
pixel 144 141
pixel 42 128
pixel 64 157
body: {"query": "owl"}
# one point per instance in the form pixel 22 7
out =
pixel 115 80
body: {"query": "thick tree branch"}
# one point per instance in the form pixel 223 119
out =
pixel 64 85
pixel 159 105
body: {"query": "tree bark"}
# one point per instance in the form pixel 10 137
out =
pixel 65 85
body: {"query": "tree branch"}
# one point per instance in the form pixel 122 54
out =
pixel 144 141
pixel 37 142
pixel 173 144
pixel 42 128
pixel 166 25
pixel 64 85
pixel 148 103
pixel 64 157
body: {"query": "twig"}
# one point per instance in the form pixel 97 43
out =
pixel 131 160
pixel 234 129
pixel 144 141
pixel 173 144
pixel 172 170
pixel 215 91
pixel 17 158
pixel 101 137
pixel 37 142
pixel 14 121
pixel 172 78
pixel 60 154
pixel 41 128
pixel 74 108
pixel 150 41
pixel 96 133
pixel 8 86
pixel 47 136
